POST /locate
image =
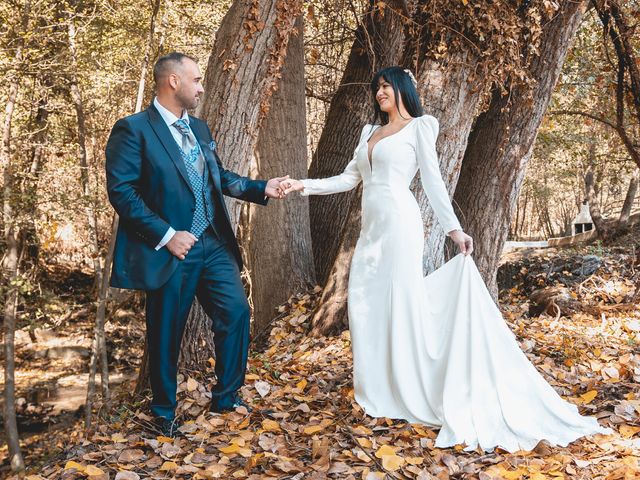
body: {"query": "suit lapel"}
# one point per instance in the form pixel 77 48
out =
pixel 167 140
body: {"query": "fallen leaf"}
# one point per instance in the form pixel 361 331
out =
pixel 127 475
pixel 168 466
pixel 191 384
pixel 589 396
pixel 270 425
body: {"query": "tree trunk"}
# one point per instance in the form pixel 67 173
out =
pixel 592 190
pixel 502 141
pixel 11 261
pixel 632 190
pixel 335 219
pixel 10 306
pixel 378 43
pixel 279 248
pixel 449 95
pixel 87 200
pixel 330 318
pixel 242 73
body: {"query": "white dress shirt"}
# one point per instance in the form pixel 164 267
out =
pixel 169 118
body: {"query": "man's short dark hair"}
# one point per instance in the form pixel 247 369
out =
pixel 167 63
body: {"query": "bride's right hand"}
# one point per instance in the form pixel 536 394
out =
pixel 291 185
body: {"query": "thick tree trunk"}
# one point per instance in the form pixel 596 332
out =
pixel 378 43
pixel 330 318
pixel 450 95
pixel 335 219
pixel 242 73
pixel 501 145
pixel 279 248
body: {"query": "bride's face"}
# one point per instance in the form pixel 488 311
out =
pixel 385 96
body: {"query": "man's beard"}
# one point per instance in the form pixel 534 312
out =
pixel 187 103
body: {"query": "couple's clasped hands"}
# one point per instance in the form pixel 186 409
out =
pixel 281 186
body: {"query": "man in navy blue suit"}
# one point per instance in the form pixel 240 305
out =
pixel 175 241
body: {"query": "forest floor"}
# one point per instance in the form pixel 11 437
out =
pixel 588 350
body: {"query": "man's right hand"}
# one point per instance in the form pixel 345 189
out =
pixel 181 243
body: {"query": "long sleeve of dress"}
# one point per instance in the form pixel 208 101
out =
pixel 434 187
pixel 347 180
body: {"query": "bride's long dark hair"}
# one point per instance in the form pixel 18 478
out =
pixel 402 86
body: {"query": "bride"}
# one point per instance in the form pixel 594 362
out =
pixel 431 350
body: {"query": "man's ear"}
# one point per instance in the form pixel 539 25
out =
pixel 174 81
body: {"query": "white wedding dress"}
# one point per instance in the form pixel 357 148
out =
pixel 434 350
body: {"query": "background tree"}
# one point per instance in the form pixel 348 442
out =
pixel 335 219
pixel 503 136
pixel 279 243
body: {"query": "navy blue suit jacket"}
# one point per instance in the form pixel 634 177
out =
pixel 149 188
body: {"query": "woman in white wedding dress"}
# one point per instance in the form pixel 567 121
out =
pixel 431 350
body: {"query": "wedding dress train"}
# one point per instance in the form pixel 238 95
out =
pixel 434 350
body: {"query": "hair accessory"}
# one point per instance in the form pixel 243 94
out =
pixel 413 79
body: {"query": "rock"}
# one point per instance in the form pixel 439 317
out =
pixel 44 335
pixel 589 265
pixel 22 337
pixel 67 352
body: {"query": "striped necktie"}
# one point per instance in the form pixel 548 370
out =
pixel 188 139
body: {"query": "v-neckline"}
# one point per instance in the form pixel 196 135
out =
pixel 370 153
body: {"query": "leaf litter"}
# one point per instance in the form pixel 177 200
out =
pixel 315 430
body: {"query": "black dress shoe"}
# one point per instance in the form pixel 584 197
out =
pixel 237 403
pixel 167 427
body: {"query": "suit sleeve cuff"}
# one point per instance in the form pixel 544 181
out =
pixel 167 236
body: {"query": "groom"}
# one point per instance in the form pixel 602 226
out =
pixel 175 241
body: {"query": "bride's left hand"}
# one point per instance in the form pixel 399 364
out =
pixel 463 241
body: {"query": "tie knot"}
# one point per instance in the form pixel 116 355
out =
pixel 182 126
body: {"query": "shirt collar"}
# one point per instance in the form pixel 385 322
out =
pixel 168 117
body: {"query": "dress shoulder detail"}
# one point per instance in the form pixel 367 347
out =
pixel 430 124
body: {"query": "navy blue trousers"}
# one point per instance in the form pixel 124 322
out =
pixel 210 273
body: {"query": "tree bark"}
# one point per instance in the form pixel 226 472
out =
pixel 242 73
pixel 279 248
pixel 10 306
pixel 335 219
pixel 378 43
pixel 87 200
pixel 592 190
pixel 11 260
pixel 330 318
pixel 502 141
pixel 449 95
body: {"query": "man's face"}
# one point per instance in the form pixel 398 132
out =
pixel 189 87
